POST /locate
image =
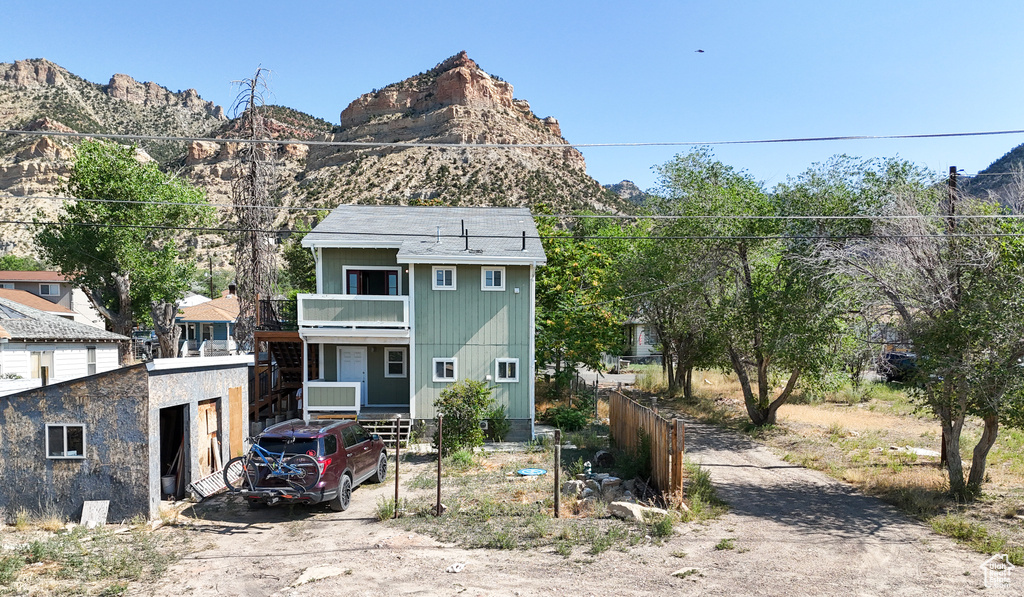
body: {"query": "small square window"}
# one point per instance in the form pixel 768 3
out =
pixel 445 370
pixel 65 441
pixel 394 362
pixel 507 370
pixel 492 278
pixel 444 278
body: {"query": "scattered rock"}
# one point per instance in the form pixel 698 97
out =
pixel 593 485
pixel 315 573
pixel 586 493
pixel 610 482
pixel 572 488
pixel 456 568
pixel 581 477
pixel 601 477
pixel 631 511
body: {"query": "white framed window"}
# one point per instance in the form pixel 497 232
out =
pixel 492 278
pixel 7 285
pixel 90 360
pixel 443 278
pixel 395 362
pixel 506 370
pixel 445 370
pixel 49 289
pixel 65 440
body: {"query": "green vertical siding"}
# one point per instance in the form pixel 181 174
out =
pixel 476 327
pixel 338 310
pixel 334 260
pixel 332 397
pixel 379 389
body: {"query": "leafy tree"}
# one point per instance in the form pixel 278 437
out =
pixel 955 287
pixel 15 263
pixel 122 250
pixel 300 266
pixel 578 317
pixel 773 314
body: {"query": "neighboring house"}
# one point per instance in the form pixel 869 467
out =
pixel 208 327
pixel 28 299
pixel 192 299
pixel 643 344
pixel 55 288
pixel 412 299
pixel 131 436
pixel 35 339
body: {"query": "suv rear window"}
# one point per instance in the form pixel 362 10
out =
pixel 301 445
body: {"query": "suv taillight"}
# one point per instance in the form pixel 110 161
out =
pixel 323 463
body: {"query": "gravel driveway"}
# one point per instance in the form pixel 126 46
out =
pixel 794 531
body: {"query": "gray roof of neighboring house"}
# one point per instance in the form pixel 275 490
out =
pixel 495 233
pixel 26 323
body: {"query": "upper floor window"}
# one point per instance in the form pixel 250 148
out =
pixel 65 441
pixel 372 281
pixel 49 289
pixel 7 285
pixel 492 278
pixel 507 370
pixel 444 278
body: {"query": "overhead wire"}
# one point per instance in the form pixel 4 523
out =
pixel 311 142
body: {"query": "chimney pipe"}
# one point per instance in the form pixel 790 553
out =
pixel 438 235
pixel 465 233
pixel 524 240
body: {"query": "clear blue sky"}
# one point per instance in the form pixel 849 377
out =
pixel 609 71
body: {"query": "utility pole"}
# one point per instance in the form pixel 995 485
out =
pixel 951 230
pixel 211 276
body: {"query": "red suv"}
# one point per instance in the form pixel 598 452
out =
pixel 346 454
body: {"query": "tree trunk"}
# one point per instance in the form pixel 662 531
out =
pixel 167 333
pixel 981 450
pixel 759 409
pixel 951 428
pixel 688 383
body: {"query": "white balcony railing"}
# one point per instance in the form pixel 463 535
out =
pixel 353 310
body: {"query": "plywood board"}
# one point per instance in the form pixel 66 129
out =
pixel 238 417
pixel 95 512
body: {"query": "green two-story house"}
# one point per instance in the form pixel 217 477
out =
pixel 412 299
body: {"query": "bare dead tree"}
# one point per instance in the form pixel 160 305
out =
pixel 252 194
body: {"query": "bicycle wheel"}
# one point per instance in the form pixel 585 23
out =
pixel 239 474
pixel 303 472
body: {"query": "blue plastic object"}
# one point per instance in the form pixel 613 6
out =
pixel 531 472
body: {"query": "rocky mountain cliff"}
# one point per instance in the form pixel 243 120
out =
pixel 998 181
pixel 455 102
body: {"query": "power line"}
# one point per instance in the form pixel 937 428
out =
pixel 325 143
pixel 878 217
pixel 204 229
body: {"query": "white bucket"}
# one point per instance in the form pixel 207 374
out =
pixel 168 483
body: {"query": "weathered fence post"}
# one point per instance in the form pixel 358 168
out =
pixel 440 421
pixel 398 448
pixel 558 467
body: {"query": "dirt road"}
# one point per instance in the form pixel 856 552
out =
pixel 793 531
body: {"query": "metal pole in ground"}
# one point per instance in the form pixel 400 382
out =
pixel 440 420
pixel 558 466
pixel 398 448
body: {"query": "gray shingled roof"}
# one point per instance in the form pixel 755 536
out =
pixel 495 233
pixel 26 323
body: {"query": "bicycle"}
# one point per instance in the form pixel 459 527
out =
pixel 299 471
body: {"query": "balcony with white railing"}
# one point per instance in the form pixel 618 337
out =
pixel 353 311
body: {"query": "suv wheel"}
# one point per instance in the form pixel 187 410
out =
pixel 340 503
pixel 382 469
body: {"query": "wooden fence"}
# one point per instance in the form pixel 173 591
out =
pixel 667 439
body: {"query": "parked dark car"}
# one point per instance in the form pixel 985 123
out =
pixel 346 453
pixel 898 366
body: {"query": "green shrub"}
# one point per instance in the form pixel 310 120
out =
pixel 566 418
pixel 498 424
pixel 463 405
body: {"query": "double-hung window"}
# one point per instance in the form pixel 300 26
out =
pixel 444 278
pixel 445 370
pixel 492 278
pixel 394 362
pixel 65 440
pixel 506 370
pixel 49 289
pixel 90 360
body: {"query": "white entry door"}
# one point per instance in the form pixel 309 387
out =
pixel 352 367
